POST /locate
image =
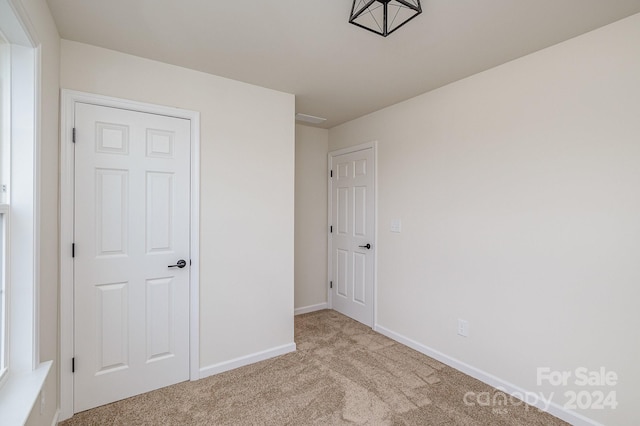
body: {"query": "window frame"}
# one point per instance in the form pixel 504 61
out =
pixel 24 375
pixel 5 261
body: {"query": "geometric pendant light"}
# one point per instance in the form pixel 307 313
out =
pixel 383 16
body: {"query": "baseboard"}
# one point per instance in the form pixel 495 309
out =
pixel 246 360
pixel 552 408
pixel 312 308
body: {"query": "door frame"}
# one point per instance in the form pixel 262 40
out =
pixel 68 100
pixel 361 147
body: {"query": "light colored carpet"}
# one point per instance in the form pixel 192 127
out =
pixel 342 373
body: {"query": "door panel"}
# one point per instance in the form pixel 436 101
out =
pixel 159 200
pixel 360 211
pixel 112 318
pixel 132 198
pixel 159 319
pixel 342 272
pixel 353 205
pixel 112 212
pixel 359 278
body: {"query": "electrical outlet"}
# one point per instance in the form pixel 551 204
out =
pixel 42 402
pixel 463 328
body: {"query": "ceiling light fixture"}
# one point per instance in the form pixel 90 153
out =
pixel 383 16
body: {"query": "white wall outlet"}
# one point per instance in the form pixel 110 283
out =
pixel 42 402
pixel 396 225
pixel 463 328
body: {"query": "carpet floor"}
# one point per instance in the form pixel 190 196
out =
pixel 342 373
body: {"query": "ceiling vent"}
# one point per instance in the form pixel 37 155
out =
pixel 310 119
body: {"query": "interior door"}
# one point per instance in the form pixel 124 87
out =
pixel 352 236
pixel 131 293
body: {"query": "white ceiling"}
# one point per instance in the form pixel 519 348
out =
pixel 305 47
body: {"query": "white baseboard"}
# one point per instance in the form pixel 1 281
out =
pixel 312 308
pixel 552 408
pixel 246 360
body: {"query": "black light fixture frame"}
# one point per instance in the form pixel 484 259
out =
pixel 385 4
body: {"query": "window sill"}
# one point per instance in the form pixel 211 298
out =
pixel 19 393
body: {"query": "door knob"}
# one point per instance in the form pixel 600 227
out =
pixel 368 246
pixel 181 264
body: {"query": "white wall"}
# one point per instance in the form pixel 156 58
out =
pixel 247 192
pixel 311 218
pixel 519 195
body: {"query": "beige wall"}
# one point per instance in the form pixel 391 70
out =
pixel 519 195
pixel 311 217
pixel 517 189
pixel 247 192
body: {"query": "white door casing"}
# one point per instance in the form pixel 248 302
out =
pixel 352 237
pixel 136 213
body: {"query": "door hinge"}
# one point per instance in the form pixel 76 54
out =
pixel 331 173
pixel 73 364
pixel 330 284
pixel 331 229
pixel 73 249
pixel 73 135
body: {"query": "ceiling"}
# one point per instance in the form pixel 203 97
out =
pixel 336 70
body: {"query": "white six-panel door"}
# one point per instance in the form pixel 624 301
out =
pixel 352 236
pixel 132 198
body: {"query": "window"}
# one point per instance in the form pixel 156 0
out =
pixel 23 374
pixel 18 177
pixel 4 208
pixel 4 219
